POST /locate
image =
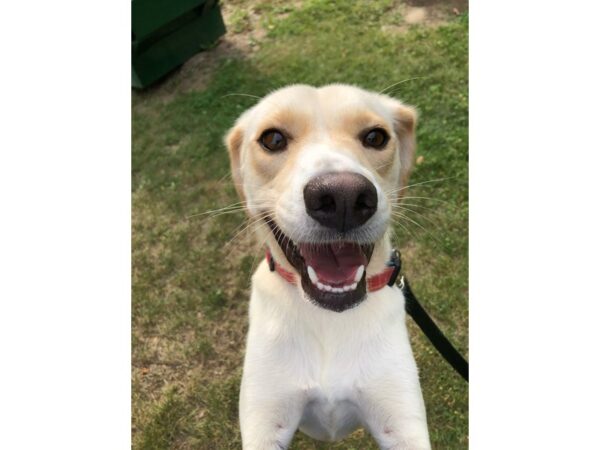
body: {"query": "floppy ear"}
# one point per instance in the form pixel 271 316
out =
pixel 405 122
pixel 233 141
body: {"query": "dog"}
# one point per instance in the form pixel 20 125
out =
pixel 318 170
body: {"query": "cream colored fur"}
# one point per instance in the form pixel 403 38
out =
pixel 306 367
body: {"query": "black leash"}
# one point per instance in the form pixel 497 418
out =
pixel 425 323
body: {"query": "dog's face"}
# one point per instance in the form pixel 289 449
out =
pixel 321 168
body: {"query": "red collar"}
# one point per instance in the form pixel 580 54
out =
pixel 375 282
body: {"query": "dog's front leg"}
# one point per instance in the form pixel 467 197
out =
pixel 395 412
pixel 391 399
pixel 269 413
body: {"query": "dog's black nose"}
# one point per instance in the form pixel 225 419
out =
pixel 340 200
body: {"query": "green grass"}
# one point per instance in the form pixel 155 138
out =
pixel 190 289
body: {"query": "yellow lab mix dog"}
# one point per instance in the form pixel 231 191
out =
pixel 327 349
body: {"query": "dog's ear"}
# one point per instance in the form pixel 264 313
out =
pixel 405 122
pixel 233 141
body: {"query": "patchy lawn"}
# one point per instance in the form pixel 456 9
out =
pixel 191 274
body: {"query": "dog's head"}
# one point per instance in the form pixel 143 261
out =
pixel 321 168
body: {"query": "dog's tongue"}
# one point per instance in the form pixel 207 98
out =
pixel 335 264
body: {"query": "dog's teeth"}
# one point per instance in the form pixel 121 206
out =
pixel 326 287
pixel 350 287
pixel 312 275
pixel 359 273
pixel 323 287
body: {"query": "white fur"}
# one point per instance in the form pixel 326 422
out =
pixel 326 372
pixel 306 367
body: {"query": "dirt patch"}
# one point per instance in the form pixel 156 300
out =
pixel 429 13
pixel 415 14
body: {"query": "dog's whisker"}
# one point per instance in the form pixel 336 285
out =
pixel 251 227
pixel 220 209
pixel 214 216
pixel 248 226
pixel 229 246
pixel 419 184
pixel 227 177
pixel 420 215
pixel 406 218
pixel 398 83
pixel 239 94
pixel 233 208
pixel 238 231
pixel 405 229
pixel 216 211
pixel 420 198
pixel 401 204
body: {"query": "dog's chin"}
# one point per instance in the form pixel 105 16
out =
pixel 333 274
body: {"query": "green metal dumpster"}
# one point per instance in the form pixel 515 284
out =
pixel 166 33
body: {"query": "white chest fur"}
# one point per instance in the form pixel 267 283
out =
pixel 326 372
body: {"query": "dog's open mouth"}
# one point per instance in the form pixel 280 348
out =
pixel 332 274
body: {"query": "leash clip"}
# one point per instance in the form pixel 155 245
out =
pixel 401 282
pixel 396 263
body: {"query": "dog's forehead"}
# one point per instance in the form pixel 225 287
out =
pixel 323 104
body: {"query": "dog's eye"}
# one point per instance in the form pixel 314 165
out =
pixel 273 140
pixel 375 138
